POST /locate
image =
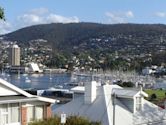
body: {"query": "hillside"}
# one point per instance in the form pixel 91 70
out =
pixel 87 36
pixel 91 45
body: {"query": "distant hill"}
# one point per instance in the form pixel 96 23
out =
pixel 80 36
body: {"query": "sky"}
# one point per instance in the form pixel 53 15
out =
pixel 22 13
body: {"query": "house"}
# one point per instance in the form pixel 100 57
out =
pixel 113 105
pixel 17 107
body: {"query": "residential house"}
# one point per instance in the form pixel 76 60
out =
pixel 113 105
pixel 17 107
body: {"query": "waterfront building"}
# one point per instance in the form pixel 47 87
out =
pixel 18 107
pixel 113 105
pixel 14 55
pixel 34 68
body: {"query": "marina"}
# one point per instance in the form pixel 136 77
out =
pixel 69 80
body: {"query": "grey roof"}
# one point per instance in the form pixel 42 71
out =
pixel 125 92
pixel 99 110
pixel 102 108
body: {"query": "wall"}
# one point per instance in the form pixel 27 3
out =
pixel 23 115
pixel 47 111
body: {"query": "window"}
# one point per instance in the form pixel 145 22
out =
pixel 9 113
pixel 138 103
pixel 14 112
pixel 39 112
pixel 35 113
pixel 3 114
pixel 30 113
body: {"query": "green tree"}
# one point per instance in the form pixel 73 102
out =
pixel 2 13
pixel 57 60
pixel 153 96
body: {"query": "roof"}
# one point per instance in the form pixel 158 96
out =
pixel 152 114
pixel 17 91
pixel 99 110
pixel 128 93
pixel 34 66
pixel 102 108
pixel 78 89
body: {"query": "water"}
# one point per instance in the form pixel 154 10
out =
pixel 39 81
pixel 160 83
pixel 45 81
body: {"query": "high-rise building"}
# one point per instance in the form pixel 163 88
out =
pixel 14 55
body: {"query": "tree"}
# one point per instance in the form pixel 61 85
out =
pixel 153 96
pixel 2 13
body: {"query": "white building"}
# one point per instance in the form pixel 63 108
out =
pixel 14 55
pixel 34 68
pixel 18 107
pixel 148 71
pixel 113 105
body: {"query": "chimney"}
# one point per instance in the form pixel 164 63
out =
pixel 90 92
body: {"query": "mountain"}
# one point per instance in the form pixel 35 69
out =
pixel 85 36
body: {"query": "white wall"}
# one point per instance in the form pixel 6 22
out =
pixel 4 91
pixel 90 92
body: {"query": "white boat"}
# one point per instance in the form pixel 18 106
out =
pixel 27 80
pixel 18 74
pixel 25 74
pixel 50 75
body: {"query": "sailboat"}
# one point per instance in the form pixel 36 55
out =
pixel 50 75
pixel 2 73
pixel 19 74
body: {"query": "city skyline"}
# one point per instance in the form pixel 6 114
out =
pixel 20 14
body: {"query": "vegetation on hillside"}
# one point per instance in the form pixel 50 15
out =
pixel 78 33
pixel 98 46
pixel 72 120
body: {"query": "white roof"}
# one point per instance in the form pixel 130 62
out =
pixel 99 110
pixel 78 89
pixel 152 114
pixel 57 89
pixel 15 91
pixel 34 67
pixel 102 108
pixel 128 93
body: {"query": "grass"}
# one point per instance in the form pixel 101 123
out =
pixel 160 95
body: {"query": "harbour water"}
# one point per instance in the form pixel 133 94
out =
pixel 45 81
pixel 38 81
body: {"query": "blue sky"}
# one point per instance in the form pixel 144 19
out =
pixel 22 13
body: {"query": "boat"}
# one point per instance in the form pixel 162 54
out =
pixel 27 80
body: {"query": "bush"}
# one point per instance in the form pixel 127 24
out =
pixel 126 84
pixel 153 96
pixel 72 120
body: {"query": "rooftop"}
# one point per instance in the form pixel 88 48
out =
pixel 105 106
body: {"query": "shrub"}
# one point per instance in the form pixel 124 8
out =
pixel 126 84
pixel 72 120
pixel 153 96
